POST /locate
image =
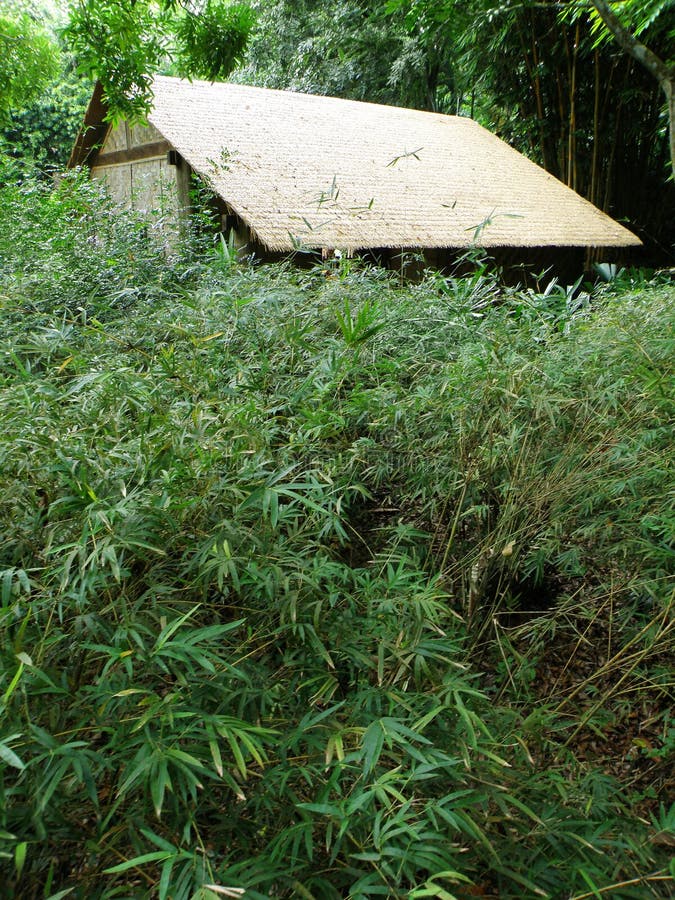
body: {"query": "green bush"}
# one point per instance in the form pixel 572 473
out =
pixel 285 555
pixel 40 136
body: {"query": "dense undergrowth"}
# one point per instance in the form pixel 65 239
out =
pixel 316 585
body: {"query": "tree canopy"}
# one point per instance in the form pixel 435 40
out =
pixel 641 16
pixel 29 58
pixel 123 43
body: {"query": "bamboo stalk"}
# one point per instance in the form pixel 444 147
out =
pixel 596 126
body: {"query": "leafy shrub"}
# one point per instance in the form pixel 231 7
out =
pixel 68 249
pixel 285 555
pixel 40 136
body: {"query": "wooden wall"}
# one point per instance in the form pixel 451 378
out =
pixel 133 161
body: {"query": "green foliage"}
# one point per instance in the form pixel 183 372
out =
pixel 41 134
pixel 124 43
pixel 213 42
pixel 28 58
pixel 67 243
pixel 350 48
pixel 270 544
pixel 641 17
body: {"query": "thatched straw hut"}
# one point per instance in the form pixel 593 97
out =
pixel 294 171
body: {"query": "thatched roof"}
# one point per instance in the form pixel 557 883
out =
pixel 323 172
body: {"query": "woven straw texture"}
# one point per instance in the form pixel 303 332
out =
pixel 302 170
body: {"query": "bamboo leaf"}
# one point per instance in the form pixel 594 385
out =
pixel 138 861
pixel 8 756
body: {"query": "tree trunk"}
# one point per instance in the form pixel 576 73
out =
pixel 664 73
